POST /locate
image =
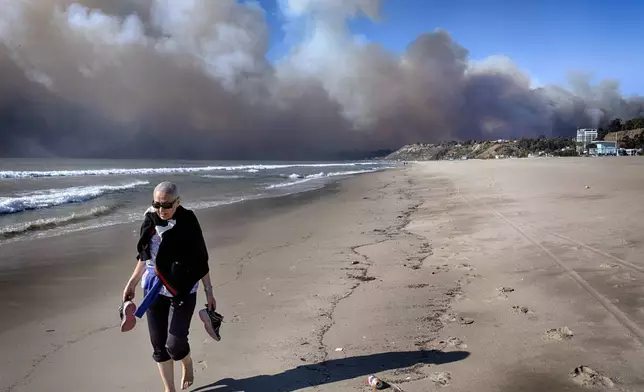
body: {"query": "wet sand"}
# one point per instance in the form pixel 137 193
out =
pixel 395 274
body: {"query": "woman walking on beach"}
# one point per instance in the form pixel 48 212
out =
pixel 172 258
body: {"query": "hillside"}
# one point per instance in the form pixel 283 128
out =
pixel 633 138
pixel 494 149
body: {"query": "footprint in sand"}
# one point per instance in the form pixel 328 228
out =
pixel 452 318
pixel 589 378
pixel 558 334
pixel 441 379
pixel 503 291
pixel 411 373
pixel 465 321
pixel 466 266
pixel 417 286
pixel 449 343
pixel 516 309
pixel 440 268
pixel 447 318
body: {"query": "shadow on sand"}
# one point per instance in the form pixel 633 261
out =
pixel 332 371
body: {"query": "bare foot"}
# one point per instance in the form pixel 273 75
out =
pixel 188 376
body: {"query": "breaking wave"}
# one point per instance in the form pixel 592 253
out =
pixel 299 179
pixel 56 197
pixel 164 170
pixel 51 223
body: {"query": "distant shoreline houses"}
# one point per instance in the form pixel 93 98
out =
pixel 587 144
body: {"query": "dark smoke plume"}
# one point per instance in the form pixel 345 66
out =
pixel 189 78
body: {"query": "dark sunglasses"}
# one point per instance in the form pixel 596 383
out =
pixel 165 206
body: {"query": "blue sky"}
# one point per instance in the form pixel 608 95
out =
pixel 547 38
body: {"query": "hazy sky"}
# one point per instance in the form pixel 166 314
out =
pixel 307 79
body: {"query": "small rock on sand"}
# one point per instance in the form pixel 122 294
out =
pixel 563 333
pixel 505 289
pixel 465 321
pixel 441 378
pixel 589 378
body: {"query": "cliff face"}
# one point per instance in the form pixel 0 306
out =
pixel 495 149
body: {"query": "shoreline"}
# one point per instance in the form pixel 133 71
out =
pixel 20 234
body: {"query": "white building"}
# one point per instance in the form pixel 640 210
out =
pixel 585 136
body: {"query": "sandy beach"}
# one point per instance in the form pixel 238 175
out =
pixel 501 275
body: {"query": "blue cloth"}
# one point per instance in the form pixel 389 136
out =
pixel 151 289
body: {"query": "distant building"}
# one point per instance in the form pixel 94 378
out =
pixel 603 147
pixel 585 136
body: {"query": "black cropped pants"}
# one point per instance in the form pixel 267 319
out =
pixel 169 324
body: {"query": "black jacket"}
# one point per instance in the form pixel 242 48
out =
pixel 182 259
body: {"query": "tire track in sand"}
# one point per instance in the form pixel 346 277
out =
pixel 616 259
pixel 606 304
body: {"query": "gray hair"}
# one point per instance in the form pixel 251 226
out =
pixel 167 187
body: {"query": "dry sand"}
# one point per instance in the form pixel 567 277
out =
pixel 453 276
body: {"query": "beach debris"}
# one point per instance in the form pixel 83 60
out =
pixel 355 262
pixel 50 330
pixel 375 382
pixel 563 333
pixel 339 349
pixel 516 309
pixel 505 289
pixel 589 378
pixel 587 186
pixel 441 378
pixel 465 321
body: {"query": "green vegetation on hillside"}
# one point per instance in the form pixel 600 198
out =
pixel 487 149
pixel 629 134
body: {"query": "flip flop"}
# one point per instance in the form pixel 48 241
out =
pixel 126 312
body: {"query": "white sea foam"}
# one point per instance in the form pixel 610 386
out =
pixel 311 177
pixel 51 223
pixel 164 170
pixel 56 197
pixel 222 177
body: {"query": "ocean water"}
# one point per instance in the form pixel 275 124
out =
pixel 45 197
